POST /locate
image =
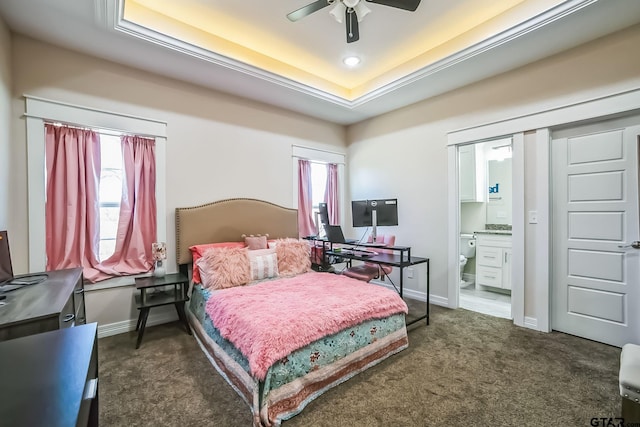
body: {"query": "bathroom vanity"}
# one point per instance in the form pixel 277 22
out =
pixel 493 258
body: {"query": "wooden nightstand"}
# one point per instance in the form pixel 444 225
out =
pixel 176 295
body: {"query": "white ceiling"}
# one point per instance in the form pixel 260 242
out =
pixel 249 48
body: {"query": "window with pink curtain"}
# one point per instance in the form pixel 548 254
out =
pixel 306 226
pixel 72 207
pixel 331 194
pixel 137 224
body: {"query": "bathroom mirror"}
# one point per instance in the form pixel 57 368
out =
pixel 499 192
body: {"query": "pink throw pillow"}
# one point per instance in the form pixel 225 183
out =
pixel 225 267
pixel 294 256
pixel 256 242
pixel 198 250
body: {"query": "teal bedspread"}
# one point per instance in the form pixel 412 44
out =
pixel 301 362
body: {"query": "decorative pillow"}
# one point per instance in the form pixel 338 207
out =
pixel 198 250
pixel 255 242
pixel 264 264
pixel 224 267
pixel 294 256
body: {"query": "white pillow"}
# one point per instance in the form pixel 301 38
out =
pixel 263 263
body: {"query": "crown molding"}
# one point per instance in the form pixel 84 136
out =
pixel 115 20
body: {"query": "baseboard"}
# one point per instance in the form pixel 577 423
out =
pixel 130 325
pixel 531 323
pixel 416 295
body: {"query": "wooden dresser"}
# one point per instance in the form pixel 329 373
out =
pixel 55 303
pixel 50 379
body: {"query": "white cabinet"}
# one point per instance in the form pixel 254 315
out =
pixel 472 173
pixel 493 260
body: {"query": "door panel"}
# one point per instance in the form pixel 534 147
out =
pixel 595 214
pixel 591 187
pixel 596 148
pixel 596 265
pixel 596 304
pixel 596 225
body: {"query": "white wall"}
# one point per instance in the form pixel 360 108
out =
pixel 5 137
pixel 218 146
pixel 405 151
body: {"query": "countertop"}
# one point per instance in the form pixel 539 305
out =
pixel 502 232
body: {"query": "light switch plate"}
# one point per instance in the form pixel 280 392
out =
pixel 533 217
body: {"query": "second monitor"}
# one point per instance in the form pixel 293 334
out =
pixel 371 213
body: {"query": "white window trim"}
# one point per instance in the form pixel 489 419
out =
pixel 323 156
pixel 39 110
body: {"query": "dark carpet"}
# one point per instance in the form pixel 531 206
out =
pixel 465 369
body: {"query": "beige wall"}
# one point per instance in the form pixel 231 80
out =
pixel 218 146
pixel 5 116
pixel 222 146
pixel 403 153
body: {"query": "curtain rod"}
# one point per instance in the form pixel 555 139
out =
pixel 101 130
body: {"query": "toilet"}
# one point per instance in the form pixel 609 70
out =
pixel 467 250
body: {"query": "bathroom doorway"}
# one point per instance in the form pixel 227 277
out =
pixel 485 198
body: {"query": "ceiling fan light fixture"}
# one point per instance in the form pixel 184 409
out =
pixel 361 10
pixel 338 11
pixel 351 61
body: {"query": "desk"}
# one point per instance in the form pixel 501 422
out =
pixel 401 260
pixel 55 303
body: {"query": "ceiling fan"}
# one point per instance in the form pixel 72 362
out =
pixel 350 11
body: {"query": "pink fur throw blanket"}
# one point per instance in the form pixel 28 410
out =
pixel 268 321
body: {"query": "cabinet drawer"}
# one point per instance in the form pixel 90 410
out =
pixel 489 276
pixel 496 240
pixel 489 256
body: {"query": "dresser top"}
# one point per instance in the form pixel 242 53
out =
pixel 44 377
pixel 44 299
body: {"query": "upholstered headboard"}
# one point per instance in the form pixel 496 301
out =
pixel 227 220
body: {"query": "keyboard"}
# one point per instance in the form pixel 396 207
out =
pixel 363 252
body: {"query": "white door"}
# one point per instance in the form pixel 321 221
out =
pixel 595 271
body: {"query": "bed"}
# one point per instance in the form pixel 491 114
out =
pixel 308 331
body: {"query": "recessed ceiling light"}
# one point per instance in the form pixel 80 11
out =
pixel 351 61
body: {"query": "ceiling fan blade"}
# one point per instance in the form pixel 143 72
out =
pixel 351 20
pixel 307 10
pixel 411 5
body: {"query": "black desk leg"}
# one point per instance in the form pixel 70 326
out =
pixel 144 313
pixel 428 276
pixel 183 316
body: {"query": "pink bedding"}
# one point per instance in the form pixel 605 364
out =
pixel 269 320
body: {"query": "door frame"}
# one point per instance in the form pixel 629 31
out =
pixel 534 314
pixel 517 259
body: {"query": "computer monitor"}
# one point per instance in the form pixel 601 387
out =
pixel 371 213
pixel 324 214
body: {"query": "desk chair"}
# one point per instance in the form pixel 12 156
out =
pixel 369 271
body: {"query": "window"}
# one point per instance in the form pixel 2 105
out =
pixel 110 193
pixel 38 111
pixel 323 175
